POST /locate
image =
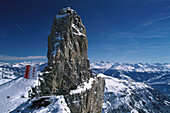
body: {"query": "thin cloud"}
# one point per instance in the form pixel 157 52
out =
pixel 122 35
pixel 155 20
pixel 134 36
pixel 3 57
pixel 137 46
pixel 165 57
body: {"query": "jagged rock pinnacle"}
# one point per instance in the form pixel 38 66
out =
pixel 67 27
pixel 68 72
pixel 67 51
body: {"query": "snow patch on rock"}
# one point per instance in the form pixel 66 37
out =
pixel 83 87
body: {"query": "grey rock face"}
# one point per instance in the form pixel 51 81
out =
pixel 67 51
pixel 89 101
pixel 68 64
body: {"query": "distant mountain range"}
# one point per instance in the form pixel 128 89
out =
pixel 156 75
pixel 9 71
pixel 137 67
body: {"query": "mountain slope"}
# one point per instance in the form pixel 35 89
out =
pixel 14 97
pixel 130 96
pixel 14 93
pixel 46 104
pixel 161 83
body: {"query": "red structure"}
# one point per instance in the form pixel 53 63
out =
pixel 27 71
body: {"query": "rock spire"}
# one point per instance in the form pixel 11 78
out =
pixel 68 72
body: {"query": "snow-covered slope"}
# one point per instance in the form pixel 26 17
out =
pixel 14 97
pixel 122 96
pixel 13 86
pixel 14 93
pixel 46 104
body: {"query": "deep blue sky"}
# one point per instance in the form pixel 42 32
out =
pixel 117 30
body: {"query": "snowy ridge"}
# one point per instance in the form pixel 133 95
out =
pixel 101 64
pixel 137 67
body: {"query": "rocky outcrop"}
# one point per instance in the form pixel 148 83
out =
pixel 68 72
pixel 89 101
